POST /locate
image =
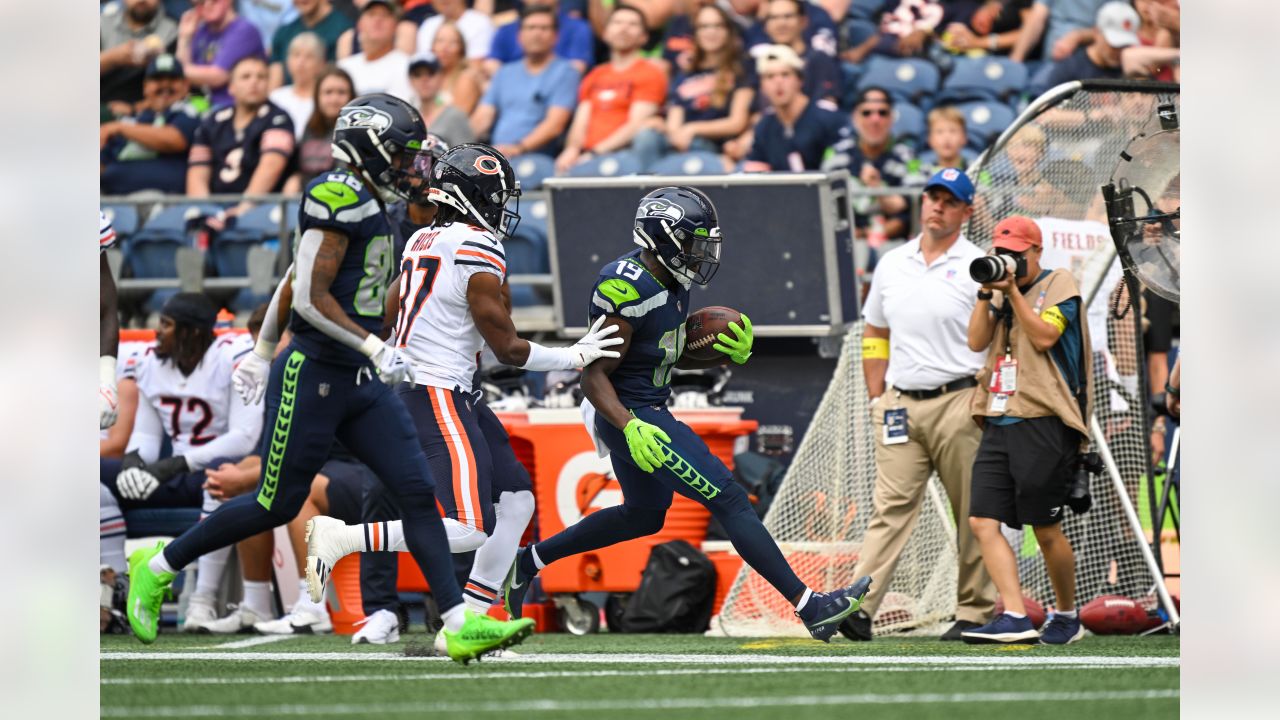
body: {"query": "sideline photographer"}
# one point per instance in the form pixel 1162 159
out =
pixel 1032 401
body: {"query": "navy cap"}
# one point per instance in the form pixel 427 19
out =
pixel 164 65
pixel 955 181
pixel 431 65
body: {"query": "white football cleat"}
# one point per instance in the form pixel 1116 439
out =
pixel 302 620
pixel 380 628
pixel 241 620
pixel 200 613
pixel 324 549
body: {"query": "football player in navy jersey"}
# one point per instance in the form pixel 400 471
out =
pixel 336 377
pixel 645 294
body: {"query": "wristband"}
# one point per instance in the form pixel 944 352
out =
pixel 371 346
pixel 543 358
pixel 986 295
pixel 107 370
pixel 875 348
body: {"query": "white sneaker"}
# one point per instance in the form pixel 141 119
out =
pixel 302 620
pixel 380 628
pixel 200 613
pixel 241 620
pixel 324 549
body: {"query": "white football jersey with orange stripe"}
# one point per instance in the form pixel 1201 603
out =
pixel 106 233
pixel 434 325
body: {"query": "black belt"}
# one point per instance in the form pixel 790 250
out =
pixel 952 386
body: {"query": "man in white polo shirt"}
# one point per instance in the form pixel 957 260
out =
pixel 920 372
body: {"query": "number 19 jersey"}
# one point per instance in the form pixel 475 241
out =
pixel 656 313
pixel 434 324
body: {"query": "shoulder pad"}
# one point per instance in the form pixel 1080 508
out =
pixel 339 197
pixel 615 295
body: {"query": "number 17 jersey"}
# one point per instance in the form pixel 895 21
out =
pixel 434 324
pixel 656 313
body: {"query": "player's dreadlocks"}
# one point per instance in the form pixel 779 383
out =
pixel 193 316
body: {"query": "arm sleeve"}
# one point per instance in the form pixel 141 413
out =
pixel 308 245
pixel 148 432
pixel 244 429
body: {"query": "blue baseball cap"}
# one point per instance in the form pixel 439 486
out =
pixel 954 181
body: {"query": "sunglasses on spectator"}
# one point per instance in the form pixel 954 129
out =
pixel 869 113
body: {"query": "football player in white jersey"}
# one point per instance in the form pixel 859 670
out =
pixel 184 394
pixel 108 326
pixel 452 299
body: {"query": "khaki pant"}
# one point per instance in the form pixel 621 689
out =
pixel 942 437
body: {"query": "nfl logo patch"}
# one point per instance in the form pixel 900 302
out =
pixel 324 389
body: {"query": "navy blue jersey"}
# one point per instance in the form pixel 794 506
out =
pixel 234 153
pixel 656 313
pixel 338 201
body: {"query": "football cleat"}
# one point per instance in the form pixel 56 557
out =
pixel 200 613
pixel 515 587
pixel 824 612
pixel 300 621
pixel 324 549
pixel 481 635
pixel 380 628
pixel 146 593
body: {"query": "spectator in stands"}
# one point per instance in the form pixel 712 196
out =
pixel 441 116
pixel 305 61
pixel 619 97
pixel 794 134
pixel 246 147
pixel 819 33
pixel 462 84
pixel 1117 28
pixel 872 156
pixel 677 37
pixel 530 101
pixel 785 23
pixel 314 16
pixel 148 150
pixel 947 139
pixel 379 67
pixel 211 40
pixel 333 89
pixel 130 36
pixel 655 14
pixel 994 27
pixel 574 42
pixel 1157 53
pixel 1055 28
pixel 267 16
pixel 406 32
pixel 900 28
pixel 711 101
pixel 475 27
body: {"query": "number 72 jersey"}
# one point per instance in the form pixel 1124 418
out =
pixel 338 202
pixel 656 313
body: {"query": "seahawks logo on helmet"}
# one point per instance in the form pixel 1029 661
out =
pixel 662 209
pixel 364 116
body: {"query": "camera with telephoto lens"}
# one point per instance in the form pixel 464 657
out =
pixel 992 268
pixel 1078 497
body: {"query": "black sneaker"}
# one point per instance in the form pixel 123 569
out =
pixel 857 627
pixel 1003 630
pixel 953 633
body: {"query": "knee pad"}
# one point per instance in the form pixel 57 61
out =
pixel 515 508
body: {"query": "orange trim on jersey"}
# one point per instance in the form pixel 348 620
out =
pixel 134 335
pixel 485 256
pixel 471 461
pixel 442 404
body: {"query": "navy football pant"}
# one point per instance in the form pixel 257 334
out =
pixel 691 470
pixel 309 403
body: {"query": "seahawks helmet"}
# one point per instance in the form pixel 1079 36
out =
pixel 679 226
pixel 382 136
pixel 476 182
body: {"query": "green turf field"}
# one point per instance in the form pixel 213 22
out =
pixel 642 676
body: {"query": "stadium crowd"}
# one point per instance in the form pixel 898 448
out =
pixel 216 96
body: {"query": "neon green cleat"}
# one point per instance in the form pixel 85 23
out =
pixel 481 634
pixel 146 593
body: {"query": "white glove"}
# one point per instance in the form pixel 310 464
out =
pixel 591 347
pixel 393 369
pixel 250 377
pixel 136 484
pixel 106 406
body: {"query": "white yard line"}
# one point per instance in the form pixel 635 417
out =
pixel 248 642
pixel 654 704
pixel 1023 660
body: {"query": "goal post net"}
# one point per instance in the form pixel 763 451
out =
pixel 1048 165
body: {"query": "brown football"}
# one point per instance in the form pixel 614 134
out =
pixel 701 329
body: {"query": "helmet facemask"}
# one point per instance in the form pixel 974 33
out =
pixel 690 257
pixel 494 214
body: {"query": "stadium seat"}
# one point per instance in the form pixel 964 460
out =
pixel 619 163
pixel 691 163
pixel 231 246
pixel 909 124
pixel 532 168
pixel 988 78
pixel 124 220
pixel 984 121
pixel 171 223
pixel 909 80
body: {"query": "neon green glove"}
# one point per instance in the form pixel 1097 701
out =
pixel 642 441
pixel 740 349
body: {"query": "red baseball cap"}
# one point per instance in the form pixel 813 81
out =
pixel 1016 233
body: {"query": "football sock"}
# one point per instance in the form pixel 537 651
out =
pixel 111 531
pixel 804 599
pixel 454 617
pixel 209 571
pixel 512 514
pixel 376 537
pixel 1065 613
pixel 160 564
pixel 1014 615
pixel 479 595
pixel 257 597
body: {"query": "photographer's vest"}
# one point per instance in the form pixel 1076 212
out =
pixel 1042 388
